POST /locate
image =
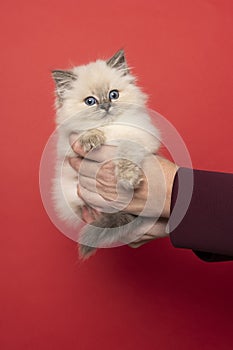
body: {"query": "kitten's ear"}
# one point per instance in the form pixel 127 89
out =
pixel 118 61
pixel 63 80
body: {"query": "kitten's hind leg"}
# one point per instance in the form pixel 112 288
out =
pixel 111 229
pixel 128 166
pixel 128 173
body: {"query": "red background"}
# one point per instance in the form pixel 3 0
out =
pixel 155 297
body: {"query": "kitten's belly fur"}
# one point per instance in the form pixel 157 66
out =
pixel 140 131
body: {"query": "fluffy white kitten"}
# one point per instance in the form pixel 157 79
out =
pixel 101 103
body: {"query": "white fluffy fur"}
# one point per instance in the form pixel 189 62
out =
pixel 127 120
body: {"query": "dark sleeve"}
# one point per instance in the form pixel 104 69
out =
pixel 207 225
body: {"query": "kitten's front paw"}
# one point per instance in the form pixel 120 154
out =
pixel 91 139
pixel 128 174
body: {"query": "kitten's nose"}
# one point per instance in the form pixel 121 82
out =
pixel 105 105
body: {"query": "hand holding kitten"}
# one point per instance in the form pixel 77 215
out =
pixel 98 188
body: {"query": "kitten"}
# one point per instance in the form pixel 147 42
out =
pixel 100 102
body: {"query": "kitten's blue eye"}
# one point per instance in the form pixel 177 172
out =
pixel 113 94
pixel 90 101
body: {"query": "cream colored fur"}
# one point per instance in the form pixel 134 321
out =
pixel 126 124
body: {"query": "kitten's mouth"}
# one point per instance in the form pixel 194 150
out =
pixel 106 115
pixel 109 114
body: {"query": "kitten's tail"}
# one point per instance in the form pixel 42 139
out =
pixel 112 228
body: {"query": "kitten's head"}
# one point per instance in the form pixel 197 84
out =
pixel 98 91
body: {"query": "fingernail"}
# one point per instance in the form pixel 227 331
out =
pixel 73 138
pixel 79 191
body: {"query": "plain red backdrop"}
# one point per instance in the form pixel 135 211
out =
pixel 155 297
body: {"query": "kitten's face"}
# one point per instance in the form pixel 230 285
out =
pixel 99 91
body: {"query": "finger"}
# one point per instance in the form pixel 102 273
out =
pixel 88 183
pixel 75 162
pixel 112 195
pixel 77 148
pixel 73 139
pixel 107 190
pixel 139 244
pixel 89 167
pixel 159 229
pixel 96 201
pixel 99 154
pixel 87 215
pixel 96 214
pixel 104 173
pixel 149 231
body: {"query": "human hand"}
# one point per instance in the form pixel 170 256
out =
pixel 158 230
pixel 154 229
pixel 98 183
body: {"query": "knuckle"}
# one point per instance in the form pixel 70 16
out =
pixel 108 177
pixel 103 188
pixel 110 166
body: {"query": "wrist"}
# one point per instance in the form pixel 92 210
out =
pixel 169 171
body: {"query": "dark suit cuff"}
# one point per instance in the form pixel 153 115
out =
pixel 211 257
pixel 203 228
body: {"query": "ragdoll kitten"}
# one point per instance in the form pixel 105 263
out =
pixel 101 103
